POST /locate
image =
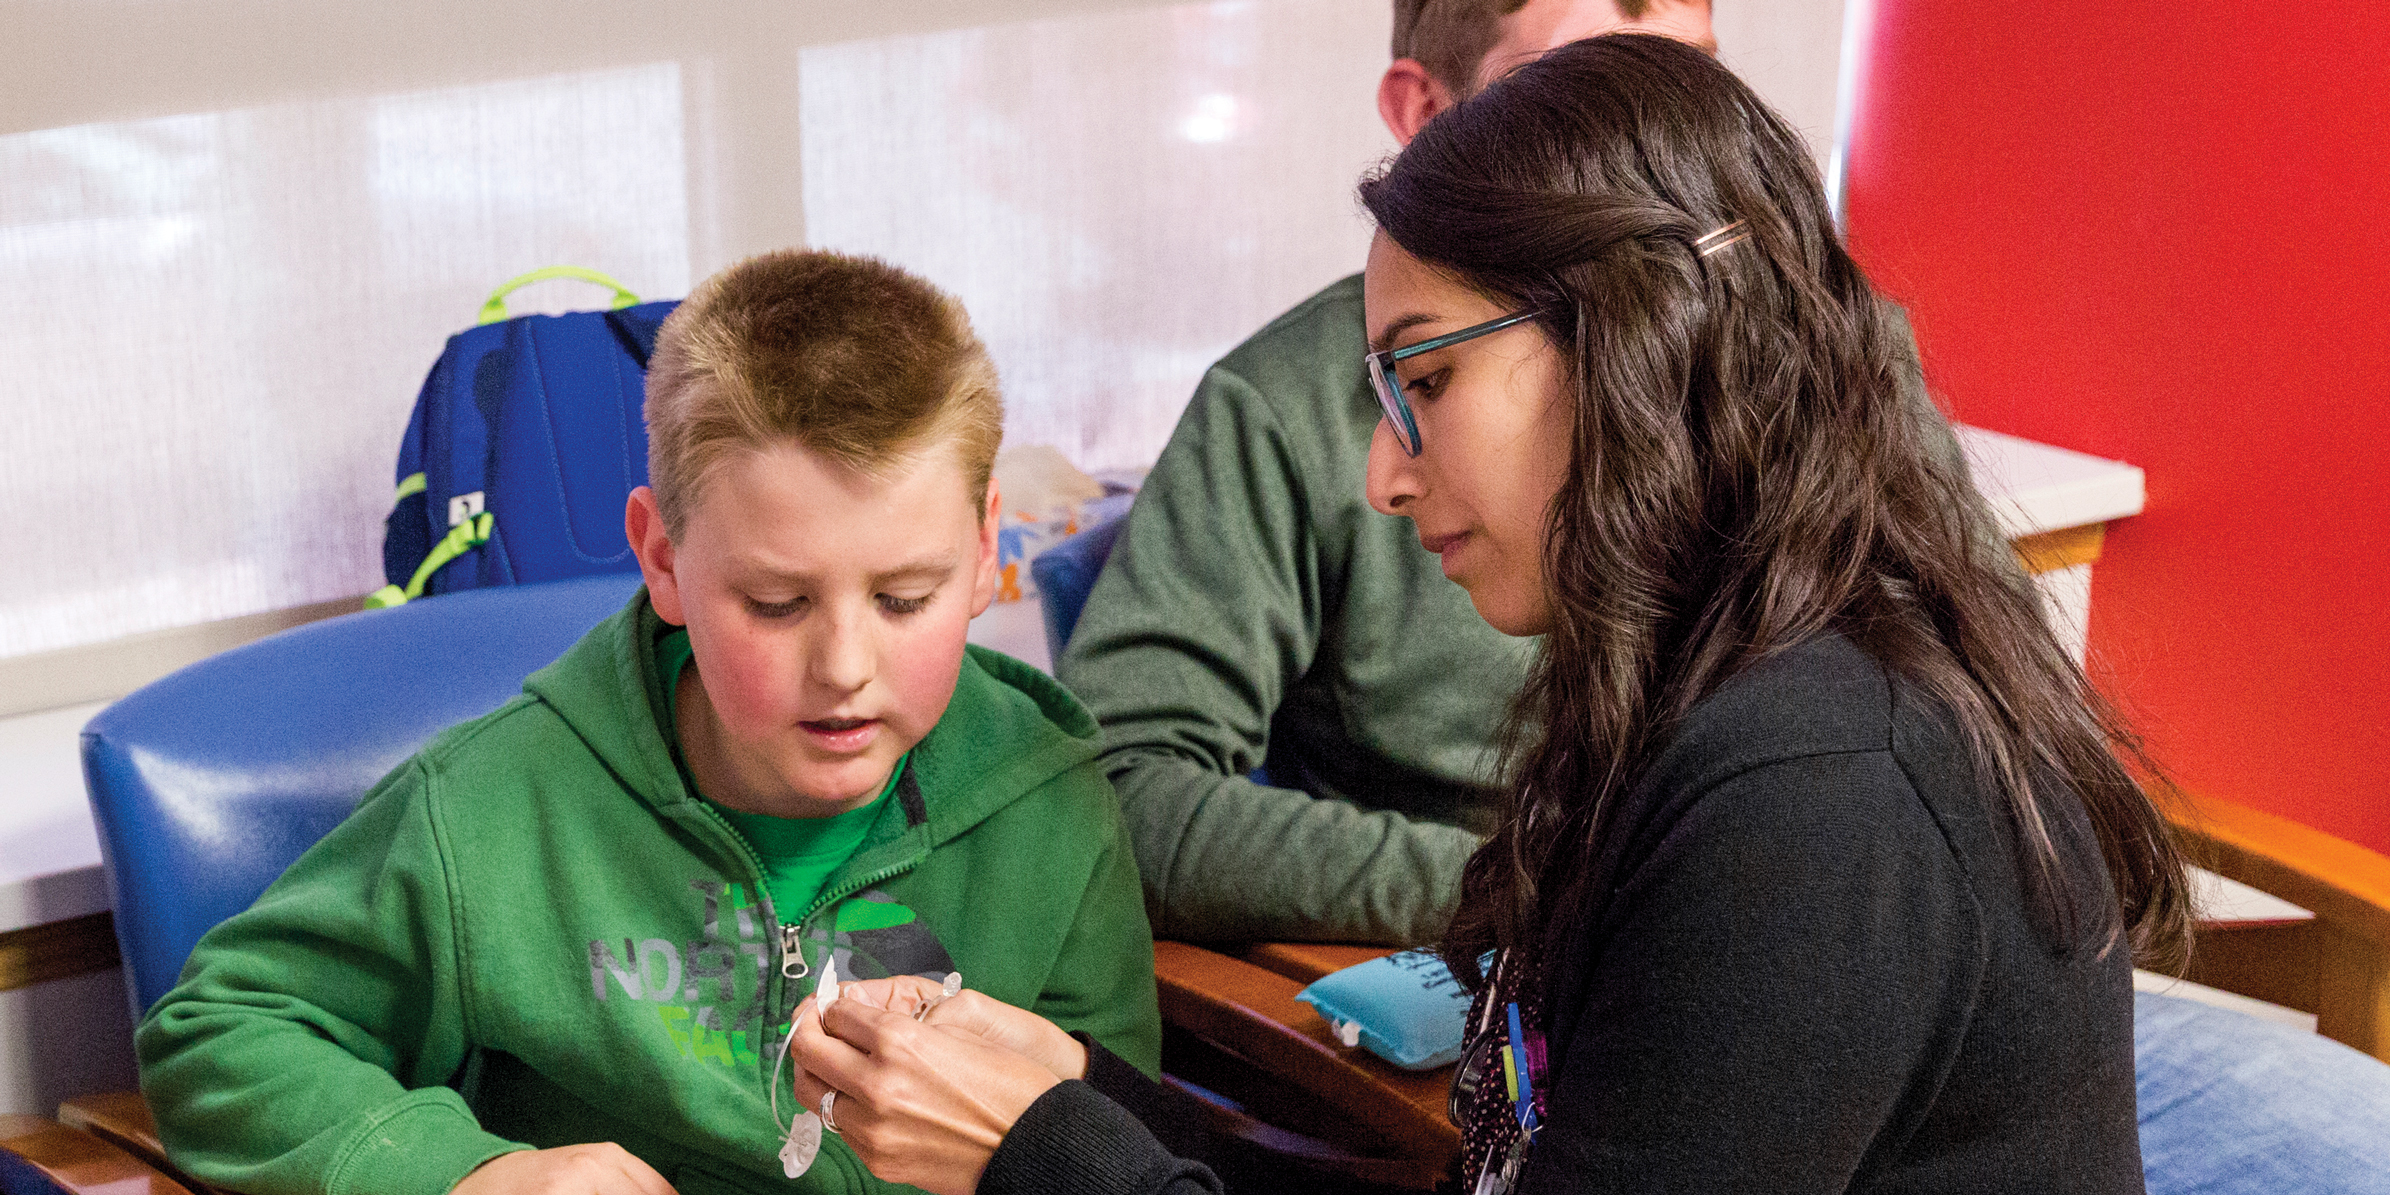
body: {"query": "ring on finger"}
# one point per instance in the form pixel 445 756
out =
pixel 829 1121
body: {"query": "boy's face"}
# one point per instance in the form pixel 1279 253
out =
pixel 826 609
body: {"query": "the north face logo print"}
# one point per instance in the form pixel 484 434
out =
pixel 710 993
pixel 877 937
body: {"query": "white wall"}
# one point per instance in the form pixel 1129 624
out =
pixel 238 230
pixel 1789 51
pixel 1108 250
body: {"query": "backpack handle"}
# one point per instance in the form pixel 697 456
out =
pixel 495 310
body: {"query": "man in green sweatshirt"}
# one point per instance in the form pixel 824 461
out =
pixel 557 950
pixel 1256 613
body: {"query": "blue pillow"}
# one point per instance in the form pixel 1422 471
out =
pixel 1405 1008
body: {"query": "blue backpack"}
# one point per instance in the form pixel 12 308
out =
pixel 526 440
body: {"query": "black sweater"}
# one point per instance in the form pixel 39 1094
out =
pixel 1812 969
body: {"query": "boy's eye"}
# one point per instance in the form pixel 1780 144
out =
pixel 903 605
pixel 759 609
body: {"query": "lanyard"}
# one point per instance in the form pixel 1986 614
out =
pixel 1525 1070
pixel 1522 1066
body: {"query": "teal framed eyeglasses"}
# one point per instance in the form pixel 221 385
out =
pixel 1380 367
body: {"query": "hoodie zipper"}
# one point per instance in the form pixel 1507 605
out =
pixel 790 935
pixel 754 879
pixel 834 895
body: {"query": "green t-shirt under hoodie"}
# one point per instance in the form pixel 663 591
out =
pixel 798 853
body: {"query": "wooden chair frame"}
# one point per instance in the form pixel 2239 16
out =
pixel 2336 966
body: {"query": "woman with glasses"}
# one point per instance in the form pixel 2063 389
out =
pixel 1818 872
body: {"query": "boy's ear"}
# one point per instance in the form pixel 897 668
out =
pixel 983 581
pixel 643 525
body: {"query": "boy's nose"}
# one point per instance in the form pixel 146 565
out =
pixel 1393 478
pixel 846 657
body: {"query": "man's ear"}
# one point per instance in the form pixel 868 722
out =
pixel 1408 97
pixel 643 525
pixel 983 577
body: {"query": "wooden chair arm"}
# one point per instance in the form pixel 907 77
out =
pixel 1305 962
pixel 34 1151
pixel 1252 1013
pixel 122 1119
pixel 2333 877
pixel 2337 967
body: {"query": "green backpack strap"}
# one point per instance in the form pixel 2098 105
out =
pixel 462 538
pixel 495 309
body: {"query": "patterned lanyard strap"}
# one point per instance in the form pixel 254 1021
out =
pixel 1523 1071
pixel 1500 1122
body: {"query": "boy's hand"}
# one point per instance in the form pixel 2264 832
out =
pixel 982 1016
pixel 601 1169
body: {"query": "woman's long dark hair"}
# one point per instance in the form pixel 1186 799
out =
pixel 1744 476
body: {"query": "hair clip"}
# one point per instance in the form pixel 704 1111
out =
pixel 1715 233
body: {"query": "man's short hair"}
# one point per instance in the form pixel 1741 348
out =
pixel 1451 37
pixel 850 356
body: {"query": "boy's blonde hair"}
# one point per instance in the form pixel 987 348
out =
pixel 849 356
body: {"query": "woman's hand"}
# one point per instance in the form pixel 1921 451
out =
pixel 601 1169
pixel 927 1102
pixel 990 1019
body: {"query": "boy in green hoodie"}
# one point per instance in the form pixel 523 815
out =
pixel 557 950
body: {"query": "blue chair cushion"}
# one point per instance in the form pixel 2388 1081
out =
pixel 1066 572
pixel 209 782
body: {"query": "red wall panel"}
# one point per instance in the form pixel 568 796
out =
pixel 2160 232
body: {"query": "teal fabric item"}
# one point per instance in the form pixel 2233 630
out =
pixel 1408 1008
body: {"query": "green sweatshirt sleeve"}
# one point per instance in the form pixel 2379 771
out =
pixel 1103 978
pixel 307 1045
pixel 1209 610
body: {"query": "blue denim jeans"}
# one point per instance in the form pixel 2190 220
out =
pixel 2231 1105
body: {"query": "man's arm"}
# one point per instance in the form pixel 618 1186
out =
pixel 305 1048
pixel 1208 611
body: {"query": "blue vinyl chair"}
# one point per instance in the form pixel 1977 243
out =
pixel 209 782
pixel 1066 572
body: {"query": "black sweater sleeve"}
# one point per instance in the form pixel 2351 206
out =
pixel 1081 1138
pixel 1779 966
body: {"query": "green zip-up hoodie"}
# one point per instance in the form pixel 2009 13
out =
pixel 531 934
